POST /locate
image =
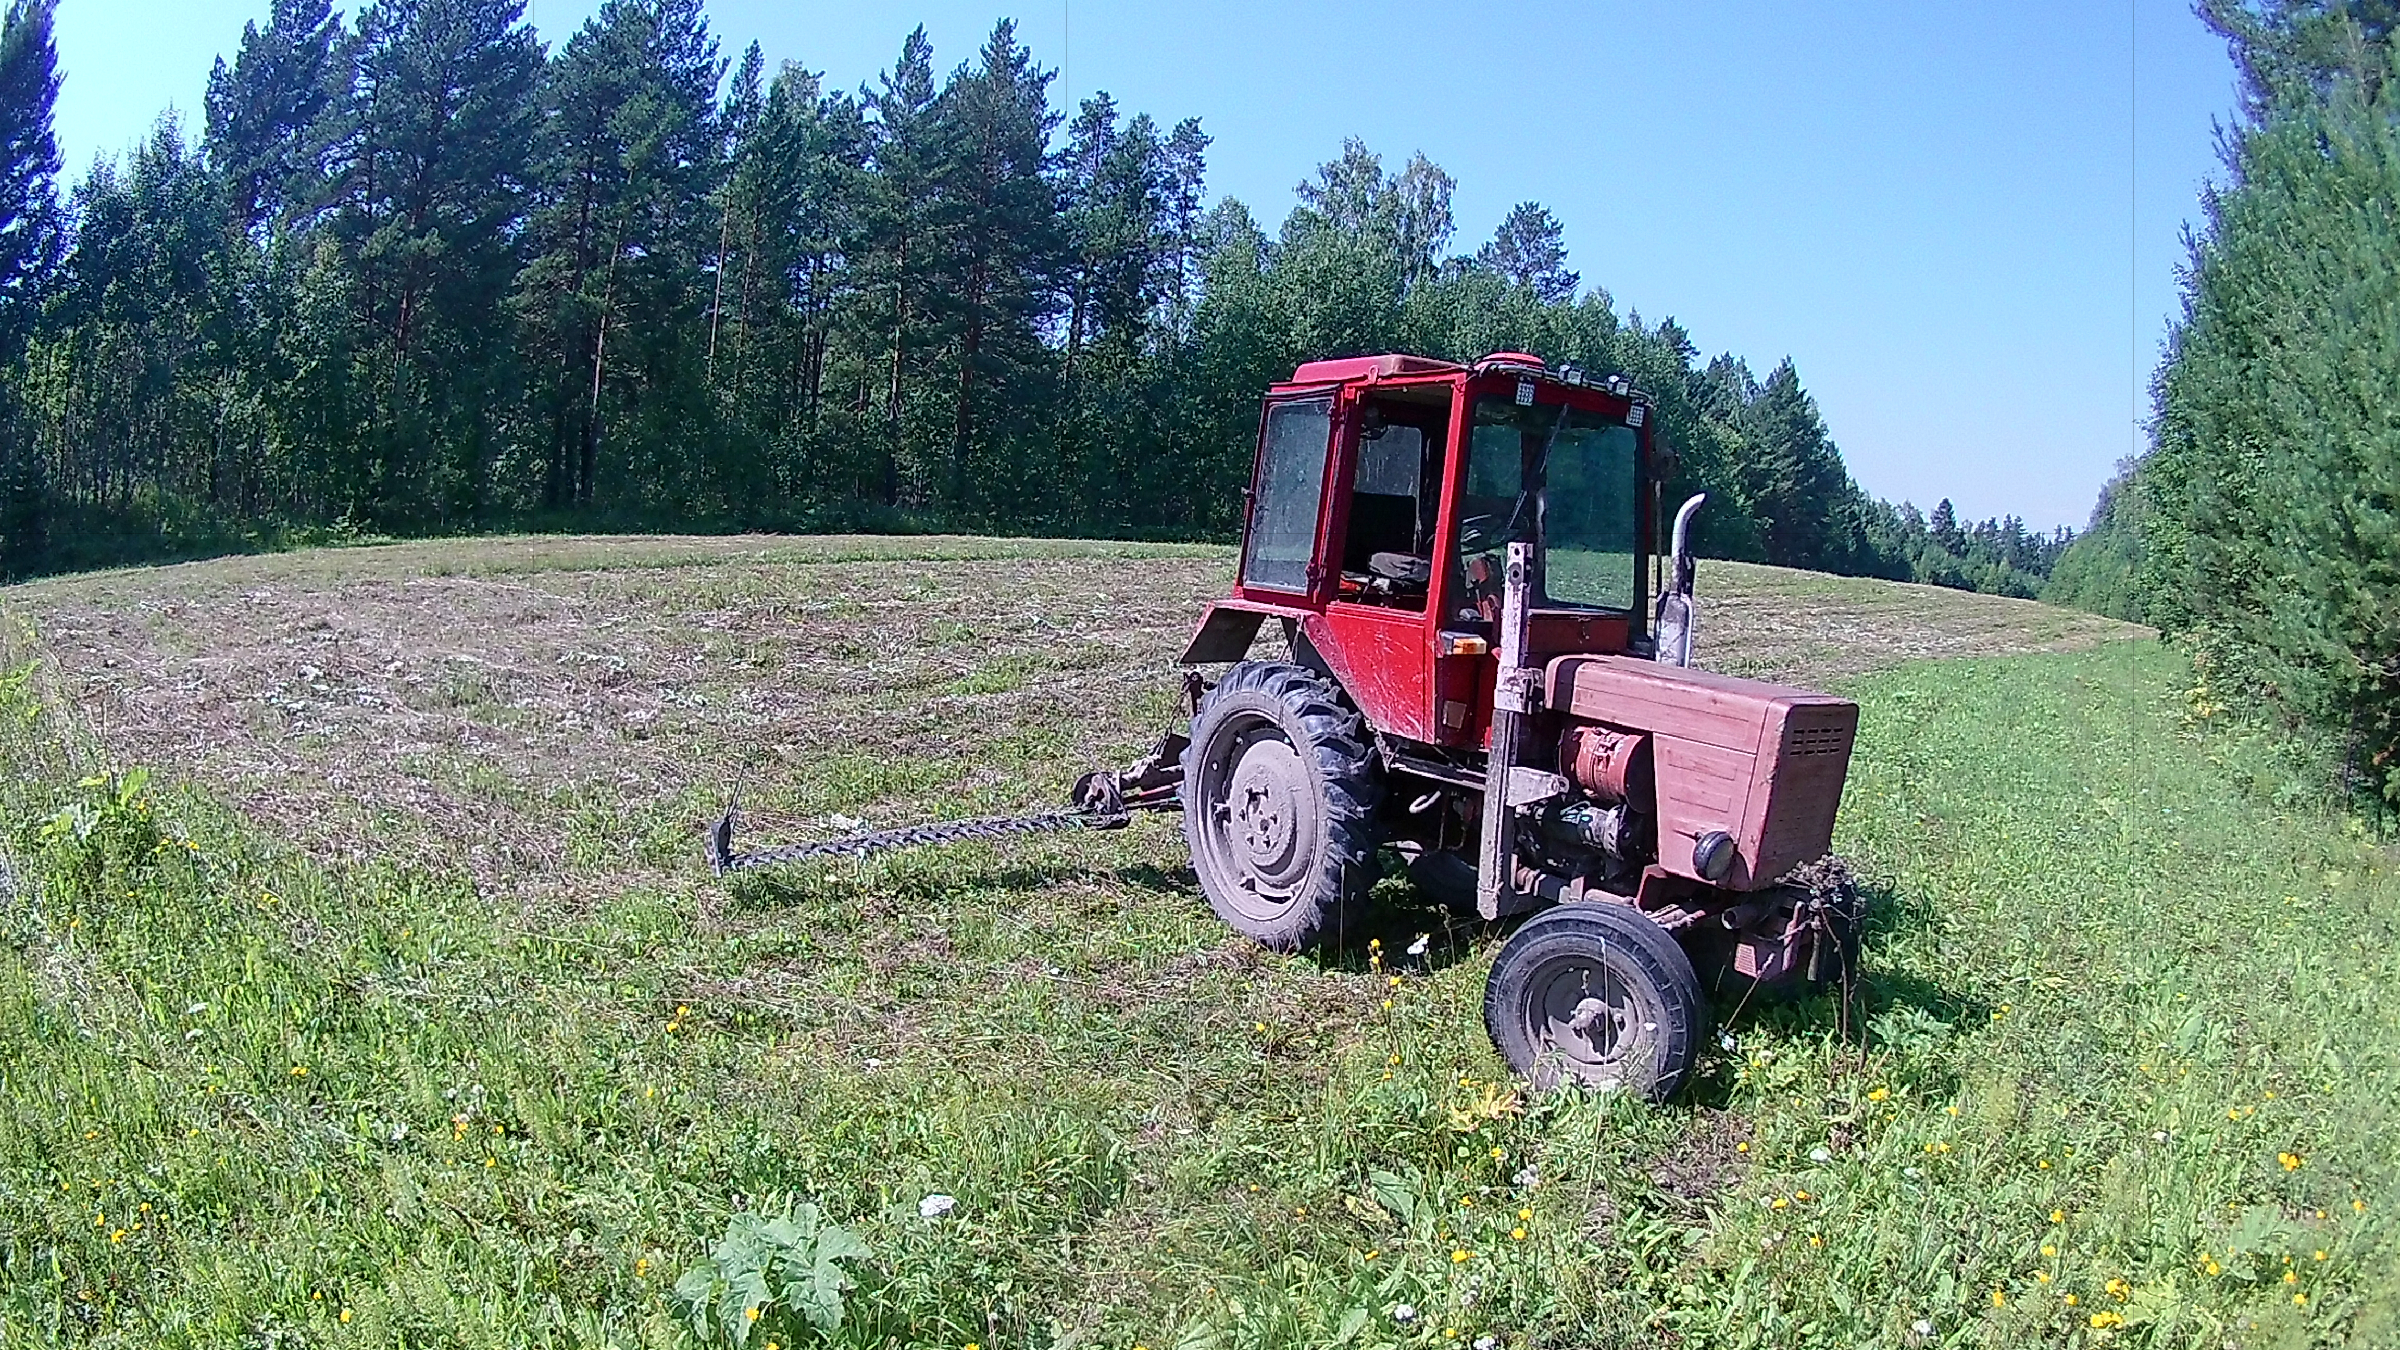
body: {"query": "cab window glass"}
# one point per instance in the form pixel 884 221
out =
pixel 1291 486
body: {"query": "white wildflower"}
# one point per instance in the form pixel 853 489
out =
pixel 935 1206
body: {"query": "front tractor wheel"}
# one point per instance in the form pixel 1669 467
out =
pixel 1279 797
pixel 1595 993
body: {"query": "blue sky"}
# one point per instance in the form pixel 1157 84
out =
pixel 1962 220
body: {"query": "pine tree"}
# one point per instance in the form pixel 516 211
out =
pixel 1007 254
pixel 29 225
pixel 629 156
pixel 29 250
pixel 902 250
pixel 262 109
pixel 2271 530
pixel 1530 250
pixel 428 149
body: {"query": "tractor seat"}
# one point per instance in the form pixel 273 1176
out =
pixel 1405 568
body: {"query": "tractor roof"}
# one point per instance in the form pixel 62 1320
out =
pixel 1392 365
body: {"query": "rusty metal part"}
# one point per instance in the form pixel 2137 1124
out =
pixel 1103 801
pixel 1610 763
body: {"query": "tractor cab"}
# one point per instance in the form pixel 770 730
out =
pixel 1386 492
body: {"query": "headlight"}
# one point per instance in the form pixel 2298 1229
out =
pixel 1712 855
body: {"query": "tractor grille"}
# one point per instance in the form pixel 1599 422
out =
pixel 1829 740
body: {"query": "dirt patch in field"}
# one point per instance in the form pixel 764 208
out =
pixel 559 714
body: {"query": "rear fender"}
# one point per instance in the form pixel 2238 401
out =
pixel 1228 628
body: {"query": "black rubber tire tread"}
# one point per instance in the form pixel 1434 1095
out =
pixel 1330 736
pixel 1644 952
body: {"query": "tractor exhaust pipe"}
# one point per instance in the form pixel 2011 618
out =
pixel 1677 618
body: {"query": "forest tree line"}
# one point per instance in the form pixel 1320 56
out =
pixel 2262 527
pixel 418 273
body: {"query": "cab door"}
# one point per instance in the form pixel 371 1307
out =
pixel 1281 551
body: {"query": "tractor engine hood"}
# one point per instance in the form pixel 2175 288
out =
pixel 1763 763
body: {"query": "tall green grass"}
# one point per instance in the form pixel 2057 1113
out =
pixel 2131 1055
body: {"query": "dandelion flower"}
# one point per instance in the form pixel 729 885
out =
pixel 2291 1277
pixel 751 1313
pixel 1879 1094
pixel 1460 1256
pixel 1518 1232
pixel 2042 1275
pixel 2102 1321
pixel 2058 1216
pixel 2048 1250
pixel 2071 1300
pixel 2299 1300
pixel 299 1071
pixel 345 1317
pixel 1498 1153
pixel 1999 1298
pixel 2317 1255
pixel 2291 1161
pixel 2044 1164
pixel 1742 1147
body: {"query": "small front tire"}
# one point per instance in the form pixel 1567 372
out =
pixel 1597 994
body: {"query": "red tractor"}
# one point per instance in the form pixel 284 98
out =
pixel 1477 679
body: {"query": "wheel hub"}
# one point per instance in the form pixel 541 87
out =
pixel 1586 1016
pixel 1265 802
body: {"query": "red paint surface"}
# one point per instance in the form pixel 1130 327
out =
pixel 1763 762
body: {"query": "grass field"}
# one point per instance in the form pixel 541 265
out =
pixel 397 1009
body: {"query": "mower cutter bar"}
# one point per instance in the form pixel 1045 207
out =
pixel 1103 801
pixel 722 857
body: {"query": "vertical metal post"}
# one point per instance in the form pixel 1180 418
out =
pixel 1512 700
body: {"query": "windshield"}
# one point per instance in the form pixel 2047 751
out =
pixel 1585 527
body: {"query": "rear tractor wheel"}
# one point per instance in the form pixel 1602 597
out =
pixel 1279 797
pixel 1595 993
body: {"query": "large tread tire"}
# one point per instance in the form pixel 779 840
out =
pixel 1614 969
pixel 1280 795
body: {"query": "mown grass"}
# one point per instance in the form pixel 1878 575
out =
pixel 247 1099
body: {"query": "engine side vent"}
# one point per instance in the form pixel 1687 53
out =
pixel 1831 740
